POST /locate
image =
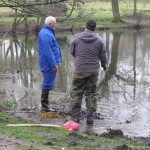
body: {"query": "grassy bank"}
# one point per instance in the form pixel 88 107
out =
pixel 100 11
pixel 59 138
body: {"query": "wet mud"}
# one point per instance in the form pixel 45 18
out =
pixel 59 118
pixel 60 102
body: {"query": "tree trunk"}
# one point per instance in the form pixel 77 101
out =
pixel 115 11
pixel 135 8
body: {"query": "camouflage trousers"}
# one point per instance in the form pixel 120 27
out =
pixel 84 85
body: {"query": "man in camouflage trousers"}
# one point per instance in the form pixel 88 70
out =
pixel 88 50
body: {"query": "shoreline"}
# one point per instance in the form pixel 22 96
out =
pixel 21 29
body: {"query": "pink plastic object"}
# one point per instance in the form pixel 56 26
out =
pixel 71 125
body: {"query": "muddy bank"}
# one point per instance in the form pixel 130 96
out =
pixel 25 103
pixel 11 142
pixel 21 29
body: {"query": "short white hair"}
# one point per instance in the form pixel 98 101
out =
pixel 49 20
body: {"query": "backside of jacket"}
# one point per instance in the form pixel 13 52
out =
pixel 48 50
pixel 88 50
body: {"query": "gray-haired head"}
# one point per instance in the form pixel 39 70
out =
pixel 50 19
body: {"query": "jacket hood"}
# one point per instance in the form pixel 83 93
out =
pixel 87 36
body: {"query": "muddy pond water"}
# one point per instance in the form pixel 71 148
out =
pixel 123 90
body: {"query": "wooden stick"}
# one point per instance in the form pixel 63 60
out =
pixel 33 125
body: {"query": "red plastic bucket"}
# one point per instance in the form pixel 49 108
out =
pixel 71 125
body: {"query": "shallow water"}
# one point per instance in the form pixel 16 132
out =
pixel 123 90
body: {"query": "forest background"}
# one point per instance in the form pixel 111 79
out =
pixel 72 14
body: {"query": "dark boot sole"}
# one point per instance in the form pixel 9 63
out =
pixel 90 122
pixel 47 110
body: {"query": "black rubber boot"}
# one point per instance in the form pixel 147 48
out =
pixel 75 114
pixel 44 101
pixel 90 112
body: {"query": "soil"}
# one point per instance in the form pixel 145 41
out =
pixel 11 143
pixel 37 116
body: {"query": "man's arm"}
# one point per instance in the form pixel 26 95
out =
pixel 46 43
pixel 103 56
pixel 72 48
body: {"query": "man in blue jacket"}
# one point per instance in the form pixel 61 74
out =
pixel 49 57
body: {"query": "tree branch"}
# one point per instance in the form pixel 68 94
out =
pixel 28 4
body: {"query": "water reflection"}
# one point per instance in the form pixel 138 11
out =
pixel 123 89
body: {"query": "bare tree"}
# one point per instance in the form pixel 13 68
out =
pixel 23 9
pixel 115 11
pixel 135 7
pixel 32 7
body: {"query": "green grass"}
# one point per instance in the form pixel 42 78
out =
pixel 5 9
pixel 59 137
pixel 103 10
pixel 100 11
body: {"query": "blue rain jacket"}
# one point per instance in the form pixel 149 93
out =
pixel 48 50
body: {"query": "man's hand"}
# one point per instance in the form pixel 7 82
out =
pixel 104 68
pixel 55 69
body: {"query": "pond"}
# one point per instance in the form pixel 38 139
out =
pixel 123 90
